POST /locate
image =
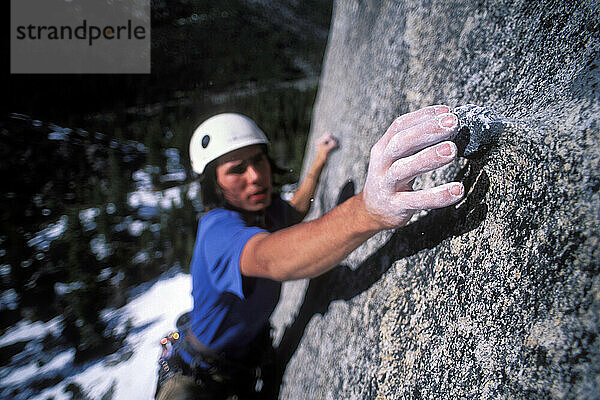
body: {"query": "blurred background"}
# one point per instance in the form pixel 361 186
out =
pixel 98 195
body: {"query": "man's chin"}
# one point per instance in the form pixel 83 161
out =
pixel 262 204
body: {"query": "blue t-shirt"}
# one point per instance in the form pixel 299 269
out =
pixel 230 310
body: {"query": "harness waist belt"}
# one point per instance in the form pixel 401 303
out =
pixel 202 349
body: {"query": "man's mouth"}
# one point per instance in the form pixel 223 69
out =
pixel 258 196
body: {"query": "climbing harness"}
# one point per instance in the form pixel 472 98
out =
pixel 213 372
pixel 169 362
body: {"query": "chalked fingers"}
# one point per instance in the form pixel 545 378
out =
pixel 406 150
pixel 418 137
pixel 426 199
pixel 406 169
pixel 327 142
pixel 411 119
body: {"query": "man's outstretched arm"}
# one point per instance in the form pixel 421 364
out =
pixel 414 143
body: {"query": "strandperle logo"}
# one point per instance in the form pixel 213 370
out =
pixel 80 36
pixel 85 31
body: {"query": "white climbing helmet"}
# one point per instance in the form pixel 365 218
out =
pixel 221 134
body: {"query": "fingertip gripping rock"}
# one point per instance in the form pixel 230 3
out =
pixel 478 129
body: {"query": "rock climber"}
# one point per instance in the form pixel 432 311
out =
pixel 249 240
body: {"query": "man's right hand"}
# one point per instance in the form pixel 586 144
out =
pixel 414 143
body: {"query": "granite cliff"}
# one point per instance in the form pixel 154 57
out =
pixel 499 296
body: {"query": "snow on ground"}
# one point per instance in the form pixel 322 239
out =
pixel 153 315
pixel 27 331
pixel 159 309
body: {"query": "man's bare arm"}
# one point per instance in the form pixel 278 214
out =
pixel 302 198
pixel 414 143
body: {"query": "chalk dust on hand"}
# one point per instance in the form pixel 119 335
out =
pixel 409 148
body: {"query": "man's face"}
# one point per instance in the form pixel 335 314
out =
pixel 244 176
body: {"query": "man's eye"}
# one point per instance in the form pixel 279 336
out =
pixel 238 169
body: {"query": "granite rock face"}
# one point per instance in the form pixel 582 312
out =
pixel 499 296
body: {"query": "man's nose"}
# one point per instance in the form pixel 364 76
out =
pixel 252 173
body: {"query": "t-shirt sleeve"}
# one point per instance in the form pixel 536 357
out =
pixel 222 238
